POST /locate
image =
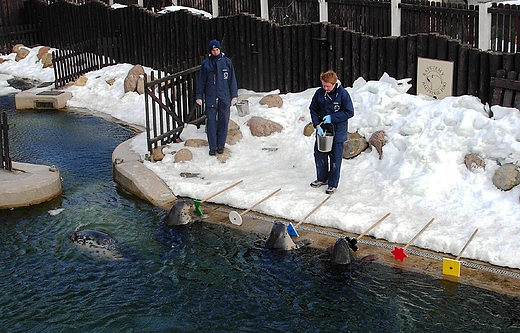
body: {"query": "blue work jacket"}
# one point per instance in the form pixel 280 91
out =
pixel 217 81
pixel 338 104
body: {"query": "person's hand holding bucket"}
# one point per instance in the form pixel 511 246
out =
pixel 319 130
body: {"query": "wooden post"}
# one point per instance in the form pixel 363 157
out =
pixel 484 26
pixel 395 17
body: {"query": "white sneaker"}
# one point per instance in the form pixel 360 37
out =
pixel 318 183
pixel 330 190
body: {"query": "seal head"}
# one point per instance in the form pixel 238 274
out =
pixel 342 252
pixel 182 213
pixel 280 239
pixel 97 243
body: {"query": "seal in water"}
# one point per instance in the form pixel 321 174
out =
pixel 97 243
pixel 182 213
pixel 342 252
pixel 280 239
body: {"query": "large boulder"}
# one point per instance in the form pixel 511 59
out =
pixel 183 155
pixel 196 143
pixel 21 53
pixel 272 101
pixel 131 80
pixel 354 145
pixel 234 133
pixel 47 60
pixel 42 51
pixel 506 177
pixel 263 127
pixel 308 130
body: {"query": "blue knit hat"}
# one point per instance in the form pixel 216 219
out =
pixel 214 44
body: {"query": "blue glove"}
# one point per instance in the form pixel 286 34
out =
pixel 320 131
pixel 327 119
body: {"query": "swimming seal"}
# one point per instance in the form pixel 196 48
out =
pixel 97 243
pixel 182 213
pixel 342 252
pixel 280 239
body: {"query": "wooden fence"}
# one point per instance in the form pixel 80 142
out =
pixel 70 64
pixel 5 159
pixel 27 34
pixel 267 56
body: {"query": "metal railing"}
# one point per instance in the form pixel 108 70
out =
pixel 169 105
pixel 5 158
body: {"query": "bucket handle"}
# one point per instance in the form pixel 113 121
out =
pixel 333 130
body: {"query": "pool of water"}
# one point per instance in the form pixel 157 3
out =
pixel 202 278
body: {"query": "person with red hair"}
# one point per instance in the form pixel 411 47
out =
pixel 331 107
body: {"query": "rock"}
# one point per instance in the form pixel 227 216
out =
pixel 17 47
pixel 308 130
pixel 354 145
pixel 111 81
pixel 47 60
pixel 377 140
pixel 196 143
pixel 140 85
pixel 506 177
pixel 272 101
pixel 263 127
pixel 157 153
pixel 189 175
pixel 183 155
pixel 233 136
pixel 130 83
pixel 474 162
pixel 222 158
pixel 81 81
pixel 43 51
pixel 21 54
pixel 22 84
pixel 232 125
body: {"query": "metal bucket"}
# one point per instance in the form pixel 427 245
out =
pixel 324 142
pixel 243 108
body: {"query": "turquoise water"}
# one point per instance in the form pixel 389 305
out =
pixel 202 278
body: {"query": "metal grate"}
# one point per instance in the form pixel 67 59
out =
pixel 43 104
pixel 50 93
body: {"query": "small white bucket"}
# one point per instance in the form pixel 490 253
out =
pixel 325 142
pixel 242 108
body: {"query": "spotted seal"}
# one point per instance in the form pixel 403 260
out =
pixel 280 239
pixel 182 213
pixel 342 252
pixel 97 243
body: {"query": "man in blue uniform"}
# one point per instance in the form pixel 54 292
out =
pixel 330 108
pixel 218 84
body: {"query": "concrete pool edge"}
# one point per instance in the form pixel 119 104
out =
pixel 28 184
pixel 131 174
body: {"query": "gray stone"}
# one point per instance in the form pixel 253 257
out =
pixel 506 177
pixel 354 145
pixel 263 127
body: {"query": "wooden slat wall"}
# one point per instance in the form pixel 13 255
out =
pixel 267 56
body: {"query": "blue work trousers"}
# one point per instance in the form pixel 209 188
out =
pixel 217 120
pixel 328 165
